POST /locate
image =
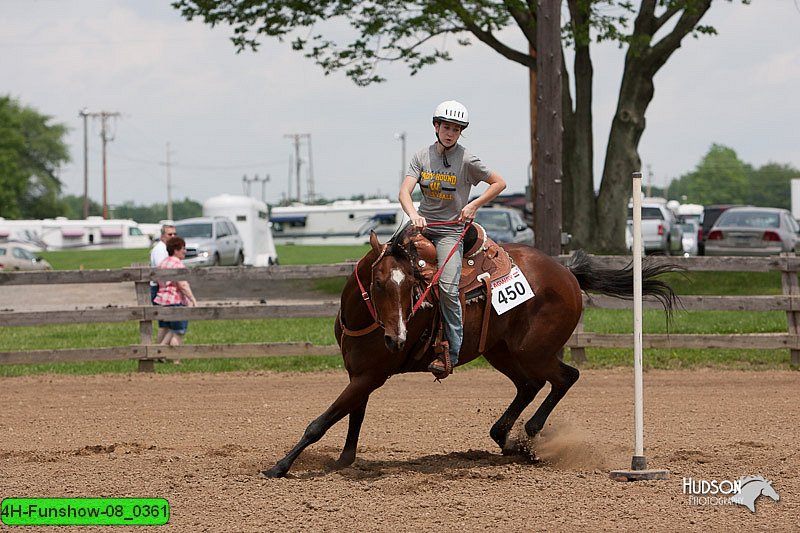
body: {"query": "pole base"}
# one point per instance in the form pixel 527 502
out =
pixel 638 475
pixel 638 472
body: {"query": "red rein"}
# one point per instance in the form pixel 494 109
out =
pixel 441 268
pixel 365 294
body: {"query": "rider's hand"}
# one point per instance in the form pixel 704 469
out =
pixel 468 213
pixel 419 222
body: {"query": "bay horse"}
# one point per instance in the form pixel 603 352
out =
pixel 523 343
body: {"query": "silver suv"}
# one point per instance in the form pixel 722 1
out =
pixel 210 241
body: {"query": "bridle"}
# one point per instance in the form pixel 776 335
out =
pixel 365 295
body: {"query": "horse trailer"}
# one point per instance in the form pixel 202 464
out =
pixel 251 218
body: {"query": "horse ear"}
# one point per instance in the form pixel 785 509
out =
pixel 373 240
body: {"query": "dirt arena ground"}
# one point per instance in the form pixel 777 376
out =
pixel 425 463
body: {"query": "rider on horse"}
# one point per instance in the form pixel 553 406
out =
pixel 446 172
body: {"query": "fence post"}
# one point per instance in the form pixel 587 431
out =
pixel 578 353
pixel 145 326
pixel 792 288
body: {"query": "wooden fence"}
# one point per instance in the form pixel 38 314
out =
pixel 237 293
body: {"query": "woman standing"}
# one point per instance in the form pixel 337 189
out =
pixel 174 294
pixel 446 172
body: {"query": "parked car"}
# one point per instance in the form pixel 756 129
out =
pixel 753 231
pixel 691 237
pixel 17 256
pixel 504 224
pixel 210 241
pixel 710 215
pixel 661 232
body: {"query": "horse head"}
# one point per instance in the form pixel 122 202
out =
pixel 392 290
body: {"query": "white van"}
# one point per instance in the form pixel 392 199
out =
pixel 252 220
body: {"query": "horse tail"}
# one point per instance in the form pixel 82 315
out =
pixel 619 283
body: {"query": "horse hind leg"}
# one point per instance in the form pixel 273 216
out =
pixel 527 389
pixel 567 376
pixel 526 392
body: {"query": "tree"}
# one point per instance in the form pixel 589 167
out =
pixel 770 185
pixel 404 31
pixel 32 150
pixel 155 213
pixel 73 207
pixel 720 178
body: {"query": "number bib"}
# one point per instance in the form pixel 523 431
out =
pixel 510 291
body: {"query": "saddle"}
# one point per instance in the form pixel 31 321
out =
pixel 483 260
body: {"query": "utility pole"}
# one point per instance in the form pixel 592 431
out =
pixel 311 195
pixel 106 138
pixel 84 113
pixel 547 215
pixel 402 138
pixel 169 185
pixel 246 182
pixel 168 164
pixel 298 162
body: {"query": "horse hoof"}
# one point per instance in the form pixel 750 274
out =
pixel 272 473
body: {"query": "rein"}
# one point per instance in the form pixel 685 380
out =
pixel 441 268
pixel 420 301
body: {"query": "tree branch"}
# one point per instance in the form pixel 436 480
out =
pixel 489 39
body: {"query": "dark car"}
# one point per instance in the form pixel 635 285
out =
pixel 710 215
pixel 504 224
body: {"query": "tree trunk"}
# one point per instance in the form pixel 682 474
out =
pixel 622 159
pixel 643 60
pixel 579 198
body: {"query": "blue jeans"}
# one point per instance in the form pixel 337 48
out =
pixel 444 238
pixel 177 326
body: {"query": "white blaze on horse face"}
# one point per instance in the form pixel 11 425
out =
pixel 398 277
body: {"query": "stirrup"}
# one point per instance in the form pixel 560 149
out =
pixel 441 367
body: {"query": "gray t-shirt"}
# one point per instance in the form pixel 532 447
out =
pixel 445 190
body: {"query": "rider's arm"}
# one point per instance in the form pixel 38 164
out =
pixel 406 188
pixel 496 185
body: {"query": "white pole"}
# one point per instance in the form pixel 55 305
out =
pixel 638 471
pixel 638 464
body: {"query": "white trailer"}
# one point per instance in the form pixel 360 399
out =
pixel 251 218
pixel 796 198
pixel 93 233
pixel 342 222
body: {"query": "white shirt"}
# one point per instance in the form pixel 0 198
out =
pixel 158 254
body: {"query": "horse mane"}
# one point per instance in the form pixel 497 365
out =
pixel 398 245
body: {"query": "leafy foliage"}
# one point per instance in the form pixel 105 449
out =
pixel 32 150
pixel 155 213
pixel 362 34
pixel 379 30
pixel 722 178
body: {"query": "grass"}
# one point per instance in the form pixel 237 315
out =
pixel 125 257
pixel 96 259
pixel 319 331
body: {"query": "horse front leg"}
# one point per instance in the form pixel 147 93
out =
pixel 353 430
pixel 352 399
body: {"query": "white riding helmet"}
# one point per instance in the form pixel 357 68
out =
pixel 452 111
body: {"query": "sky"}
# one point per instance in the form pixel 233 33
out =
pixel 226 116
